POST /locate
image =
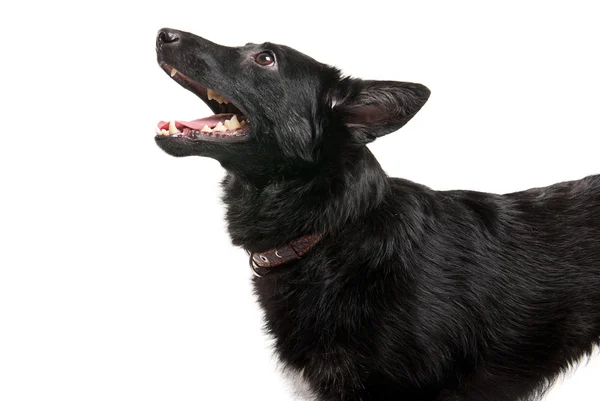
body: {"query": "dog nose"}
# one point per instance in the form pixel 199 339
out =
pixel 166 37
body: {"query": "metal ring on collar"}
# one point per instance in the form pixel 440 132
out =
pixel 254 267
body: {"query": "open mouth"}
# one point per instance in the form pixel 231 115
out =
pixel 227 124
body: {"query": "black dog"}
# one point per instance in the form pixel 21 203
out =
pixel 377 288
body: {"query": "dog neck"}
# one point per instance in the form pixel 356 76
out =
pixel 285 208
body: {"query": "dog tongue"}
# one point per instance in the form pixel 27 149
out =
pixel 197 125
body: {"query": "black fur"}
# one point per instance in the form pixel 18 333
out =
pixel 413 294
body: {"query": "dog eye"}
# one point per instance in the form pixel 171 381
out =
pixel 265 58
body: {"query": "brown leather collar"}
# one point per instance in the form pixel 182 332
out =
pixel 262 263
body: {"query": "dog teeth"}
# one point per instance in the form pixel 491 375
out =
pixel 212 95
pixel 229 126
pixel 173 72
pixel 232 124
pixel 172 128
pixel 220 127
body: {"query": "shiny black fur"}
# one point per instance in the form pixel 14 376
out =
pixel 413 294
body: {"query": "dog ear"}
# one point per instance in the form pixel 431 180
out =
pixel 370 109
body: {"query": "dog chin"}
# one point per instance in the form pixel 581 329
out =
pixel 178 148
pixel 182 147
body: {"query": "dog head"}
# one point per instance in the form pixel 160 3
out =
pixel 275 108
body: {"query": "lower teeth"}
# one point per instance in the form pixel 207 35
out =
pixel 229 128
pixel 197 134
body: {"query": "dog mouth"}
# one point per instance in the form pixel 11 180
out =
pixel 228 123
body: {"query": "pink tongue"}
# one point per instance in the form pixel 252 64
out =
pixel 197 125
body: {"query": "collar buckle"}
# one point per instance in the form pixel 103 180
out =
pixel 293 251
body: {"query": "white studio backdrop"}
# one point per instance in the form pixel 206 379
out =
pixel 110 287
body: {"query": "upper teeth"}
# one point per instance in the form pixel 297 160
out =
pixel 212 95
pixel 173 72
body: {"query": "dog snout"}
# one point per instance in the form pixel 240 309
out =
pixel 166 37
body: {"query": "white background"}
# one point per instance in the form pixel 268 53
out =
pixel 109 289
